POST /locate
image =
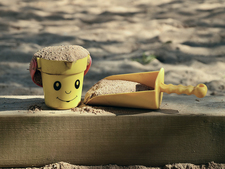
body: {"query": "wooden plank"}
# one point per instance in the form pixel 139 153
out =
pixel 183 130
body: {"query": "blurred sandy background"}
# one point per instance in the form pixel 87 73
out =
pixel 187 38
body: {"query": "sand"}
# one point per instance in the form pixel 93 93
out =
pixel 105 87
pixel 63 165
pixel 70 53
pixel 34 108
pixel 187 38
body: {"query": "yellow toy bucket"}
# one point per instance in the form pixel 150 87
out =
pixel 62 81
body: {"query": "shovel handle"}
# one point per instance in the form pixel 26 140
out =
pixel 200 90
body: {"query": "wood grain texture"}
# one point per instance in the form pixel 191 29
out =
pixel 120 136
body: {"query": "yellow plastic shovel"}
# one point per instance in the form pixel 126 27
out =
pixel 149 99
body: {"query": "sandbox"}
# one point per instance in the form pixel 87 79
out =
pixel 185 129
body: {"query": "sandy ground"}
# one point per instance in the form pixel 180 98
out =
pixel 63 165
pixel 187 38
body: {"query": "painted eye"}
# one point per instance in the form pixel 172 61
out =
pixel 77 84
pixel 57 85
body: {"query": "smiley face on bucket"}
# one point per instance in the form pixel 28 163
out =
pixel 63 91
pixel 58 85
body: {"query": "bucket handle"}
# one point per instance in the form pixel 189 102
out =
pixel 89 65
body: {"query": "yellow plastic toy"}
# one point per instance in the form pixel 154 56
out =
pixel 149 99
pixel 62 81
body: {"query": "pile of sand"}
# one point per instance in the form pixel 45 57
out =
pixel 63 165
pixel 70 53
pixel 104 87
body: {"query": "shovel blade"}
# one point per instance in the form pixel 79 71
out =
pixel 143 99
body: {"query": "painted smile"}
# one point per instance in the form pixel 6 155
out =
pixel 66 100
